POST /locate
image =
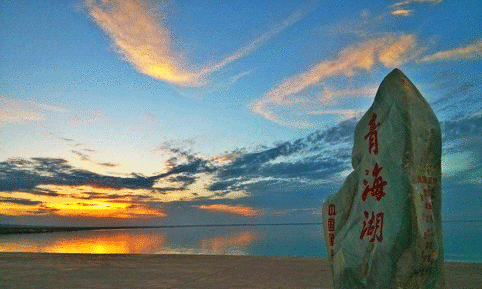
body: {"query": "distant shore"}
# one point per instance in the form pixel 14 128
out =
pixel 47 270
pixel 15 229
pixel 39 229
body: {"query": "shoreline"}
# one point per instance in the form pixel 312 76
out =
pixel 16 229
pixel 65 270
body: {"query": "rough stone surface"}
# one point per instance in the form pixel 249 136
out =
pixel 383 228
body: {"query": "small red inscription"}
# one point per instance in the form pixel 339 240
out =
pixel 426 180
pixel 428 205
pixel 331 229
pixel 331 224
pixel 331 210
pixel 332 239
pixel 428 257
pixel 428 233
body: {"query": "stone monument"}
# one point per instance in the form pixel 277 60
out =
pixel 383 229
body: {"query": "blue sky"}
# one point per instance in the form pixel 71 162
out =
pixel 137 112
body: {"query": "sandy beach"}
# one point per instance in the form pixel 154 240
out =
pixel 41 270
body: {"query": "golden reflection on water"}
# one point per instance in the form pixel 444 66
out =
pixel 121 243
pixel 221 244
pixel 126 242
pixel 97 242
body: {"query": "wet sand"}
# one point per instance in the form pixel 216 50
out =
pixel 41 270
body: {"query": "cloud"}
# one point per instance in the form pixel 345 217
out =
pixel 471 51
pixel 27 175
pixel 82 156
pixel 42 209
pixel 90 117
pixel 400 9
pixel 238 185
pixel 462 129
pixel 389 51
pixel 239 209
pixel 191 180
pixel 107 164
pixel 258 41
pixel 402 12
pixel 304 166
pixel 142 38
pixel 453 90
pixel 19 201
pixel 401 3
pixel 20 111
pixel 85 157
pixel 462 157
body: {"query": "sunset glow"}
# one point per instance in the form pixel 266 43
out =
pixel 240 210
pixel 166 113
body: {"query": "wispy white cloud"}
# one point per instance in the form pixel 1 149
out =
pixel 87 117
pixel 141 37
pixel 331 95
pixel 389 51
pixel 402 12
pixel 400 8
pixel 471 51
pixel 212 87
pixel 258 41
pixel 400 3
pixel 348 113
pixel 20 111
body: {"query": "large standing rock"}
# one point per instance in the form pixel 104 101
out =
pixel 383 228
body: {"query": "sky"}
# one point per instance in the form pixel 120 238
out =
pixel 215 112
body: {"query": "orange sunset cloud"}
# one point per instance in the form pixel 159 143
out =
pixel 239 209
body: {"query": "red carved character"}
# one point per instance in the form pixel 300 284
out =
pixel 331 210
pixel 332 239
pixel 428 205
pixel 376 190
pixel 373 228
pixel 331 224
pixel 428 233
pixel 372 135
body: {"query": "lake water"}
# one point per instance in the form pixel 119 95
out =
pixel 463 242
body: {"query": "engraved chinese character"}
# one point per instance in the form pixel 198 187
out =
pixel 332 239
pixel 428 257
pixel 372 135
pixel 331 224
pixel 428 218
pixel 376 190
pixel 428 233
pixel 428 205
pixel 429 245
pixel 373 228
pixel 331 210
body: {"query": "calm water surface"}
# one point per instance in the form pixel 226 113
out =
pixel 463 242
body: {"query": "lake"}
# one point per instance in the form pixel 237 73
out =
pixel 463 241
